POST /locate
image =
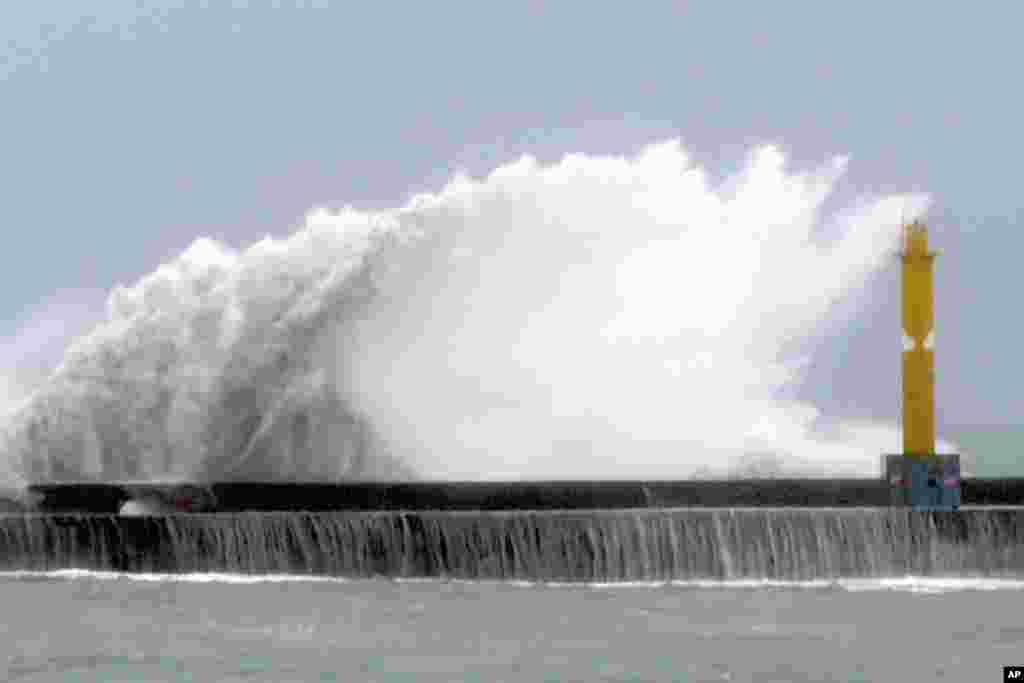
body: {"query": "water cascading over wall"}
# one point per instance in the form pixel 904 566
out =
pixel 578 546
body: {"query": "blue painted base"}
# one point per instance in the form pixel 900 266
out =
pixel 924 483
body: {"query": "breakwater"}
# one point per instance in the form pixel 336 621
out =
pixel 552 495
pixel 578 546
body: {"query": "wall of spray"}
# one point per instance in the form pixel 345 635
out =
pixel 600 317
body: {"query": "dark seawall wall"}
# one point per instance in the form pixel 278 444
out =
pixel 235 497
pixel 615 545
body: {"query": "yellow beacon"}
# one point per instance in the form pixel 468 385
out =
pixel 919 477
pixel 918 343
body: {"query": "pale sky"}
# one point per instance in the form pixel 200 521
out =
pixel 128 129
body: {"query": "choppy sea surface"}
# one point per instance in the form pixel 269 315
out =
pixel 89 626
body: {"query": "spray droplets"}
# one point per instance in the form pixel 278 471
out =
pixel 599 317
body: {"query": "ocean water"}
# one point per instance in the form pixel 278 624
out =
pixel 75 626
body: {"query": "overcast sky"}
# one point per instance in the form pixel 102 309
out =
pixel 128 129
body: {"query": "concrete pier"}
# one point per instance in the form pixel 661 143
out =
pixel 109 498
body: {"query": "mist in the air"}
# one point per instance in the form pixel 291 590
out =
pixel 601 317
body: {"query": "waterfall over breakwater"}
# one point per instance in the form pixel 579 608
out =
pixel 594 546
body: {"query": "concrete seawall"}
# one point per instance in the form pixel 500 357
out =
pixel 108 498
pixel 553 545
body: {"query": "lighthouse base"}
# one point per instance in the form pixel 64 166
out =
pixel 929 482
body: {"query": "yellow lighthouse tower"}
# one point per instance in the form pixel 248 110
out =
pixel 918 341
pixel 919 477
